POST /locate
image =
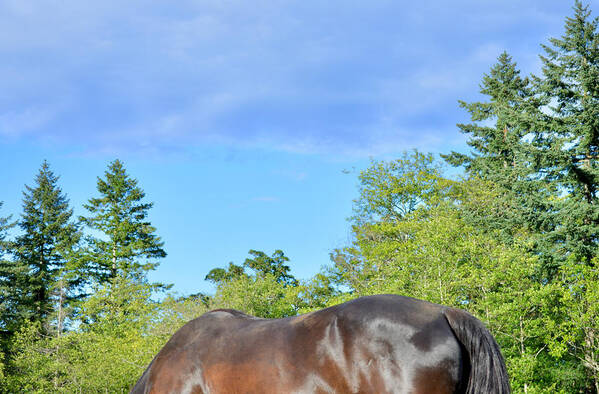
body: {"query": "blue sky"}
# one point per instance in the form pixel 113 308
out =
pixel 238 118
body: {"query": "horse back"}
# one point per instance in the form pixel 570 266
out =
pixel 378 344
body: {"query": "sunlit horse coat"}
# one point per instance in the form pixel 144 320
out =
pixel 376 344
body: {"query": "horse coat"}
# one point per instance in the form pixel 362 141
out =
pixel 374 344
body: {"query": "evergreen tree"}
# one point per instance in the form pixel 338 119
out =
pixel 128 241
pixel 496 145
pixel 48 240
pixel 5 225
pixel 568 135
pixel 10 273
pixel 501 155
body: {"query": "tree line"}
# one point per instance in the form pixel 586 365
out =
pixel 515 241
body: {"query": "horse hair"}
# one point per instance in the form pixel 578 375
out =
pixel 487 373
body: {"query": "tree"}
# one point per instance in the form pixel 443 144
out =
pixel 269 291
pixel 318 292
pixel 115 340
pixel 502 158
pixel 390 193
pixel 391 190
pixel 258 295
pixel 8 297
pixel 497 146
pixel 261 264
pixel 11 275
pixel 574 330
pixel 273 265
pixel 128 241
pixel 5 225
pixel 567 137
pixel 48 240
pixel 219 275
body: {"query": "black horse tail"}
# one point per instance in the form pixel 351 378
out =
pixel 486 370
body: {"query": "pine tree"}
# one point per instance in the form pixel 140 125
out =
pixel 128 242
pixel 568 136
pixel 45 248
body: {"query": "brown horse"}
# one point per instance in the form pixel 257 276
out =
pixel 376 344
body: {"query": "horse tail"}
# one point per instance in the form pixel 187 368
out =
pixel 486 370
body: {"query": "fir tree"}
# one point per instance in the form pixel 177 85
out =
pixel 501 155
pixel 45 249
pixel 568 136
pixel 128 243
pixel 496 145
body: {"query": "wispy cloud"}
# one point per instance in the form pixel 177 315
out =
pixel 319 77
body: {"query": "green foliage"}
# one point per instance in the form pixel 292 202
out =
pixel 115 332
pixel 270 291
pixel 128 241
pixel 103 356
pixel 534 181
pixel 121 330
pixel 317 292
pixel 258 295
pixel 219 275
pixel 540 152
pixel 5 225
pixel 275 266
pixel 391 190
pixel 174 312
pixel 575 329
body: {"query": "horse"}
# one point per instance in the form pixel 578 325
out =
pixel 373 344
